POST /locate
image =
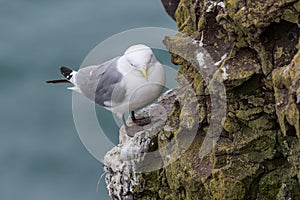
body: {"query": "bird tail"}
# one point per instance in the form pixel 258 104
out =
pixel 67 73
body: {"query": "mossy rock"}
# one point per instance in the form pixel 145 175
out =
pixel 251 48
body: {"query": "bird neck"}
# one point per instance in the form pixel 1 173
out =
pixel 123 66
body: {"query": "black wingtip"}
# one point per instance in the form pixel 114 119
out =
pixel 66 72
pixel 58 81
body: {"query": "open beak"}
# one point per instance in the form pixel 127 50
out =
pixel 144 72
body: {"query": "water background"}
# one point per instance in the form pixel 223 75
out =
pixel 41 156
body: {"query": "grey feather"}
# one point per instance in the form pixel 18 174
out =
pixel 101 83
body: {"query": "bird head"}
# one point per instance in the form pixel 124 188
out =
pixel 140 57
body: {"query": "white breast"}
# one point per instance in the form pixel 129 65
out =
pixel 141 92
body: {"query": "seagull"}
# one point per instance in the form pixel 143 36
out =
pixel 123 84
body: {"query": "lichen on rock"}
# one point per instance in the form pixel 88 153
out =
pixel 286 80
pixel 249 49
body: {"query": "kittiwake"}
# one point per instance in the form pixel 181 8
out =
pixel 122 84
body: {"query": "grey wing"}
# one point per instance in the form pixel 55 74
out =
pixel 101 83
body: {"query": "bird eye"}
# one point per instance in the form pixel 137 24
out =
pixel 130 63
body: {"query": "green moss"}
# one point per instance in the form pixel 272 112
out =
pixel 256 101
pixel 262 123
pixel 225 188
pixel 230 125
pixel 186 21
pixel 257 154
pixel 278 185
pixel 248 114
pixel 278 53
pixel 198 83
pixel 286 81
pixel 290 16
pixel 297 6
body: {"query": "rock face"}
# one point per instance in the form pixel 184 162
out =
pixel 232 128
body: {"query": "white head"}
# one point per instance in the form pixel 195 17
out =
pixel 140 57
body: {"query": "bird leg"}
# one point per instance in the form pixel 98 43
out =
pixel 131 130
pixel 141 121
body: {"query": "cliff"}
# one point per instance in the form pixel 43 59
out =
pixel 232 128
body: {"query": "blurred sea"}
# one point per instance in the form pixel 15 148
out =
pixel 41 156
